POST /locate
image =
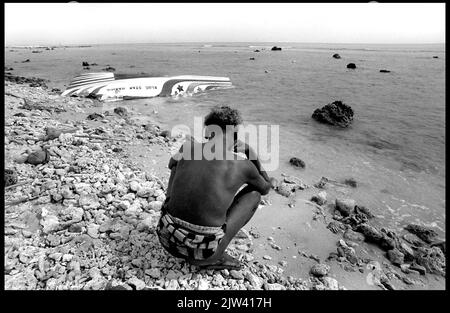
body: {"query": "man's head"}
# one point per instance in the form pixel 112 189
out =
pixel 224 118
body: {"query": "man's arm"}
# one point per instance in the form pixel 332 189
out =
pixel 253 157
pixel 253 178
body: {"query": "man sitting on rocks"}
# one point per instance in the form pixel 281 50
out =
pixel 206 203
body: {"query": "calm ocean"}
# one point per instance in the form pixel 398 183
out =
pixel 395 147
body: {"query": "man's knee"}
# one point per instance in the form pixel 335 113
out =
pixel 255 197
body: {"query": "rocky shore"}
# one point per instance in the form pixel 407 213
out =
pixel 80 215
pixel 83 194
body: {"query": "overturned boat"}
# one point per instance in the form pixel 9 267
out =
pixel 111 87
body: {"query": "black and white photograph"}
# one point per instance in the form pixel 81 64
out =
pixel 224 146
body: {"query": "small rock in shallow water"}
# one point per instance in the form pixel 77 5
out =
pixel 320 198
pixel 121 111
pixel 345 206
pixel 371 233
pixel 319 270
pixel 297 162
pixel 283 263
pixel 425 233
pixel 351 182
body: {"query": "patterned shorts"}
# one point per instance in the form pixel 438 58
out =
pixel 186 240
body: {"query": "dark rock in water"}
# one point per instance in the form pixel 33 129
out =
pixel 395 256
pixel 86 68
pixel 8 68
pixel 36 51
pixel 85 63
pixel 26 61
pixel 320 270
pixel 109 69
pixel 370 233
pixel 387 243
pixel 38 157
pixel 252 59
pixel 56 90
pixel 435 57
pixel 117 149
pixel 425 233
pixel 336 113
pixel 11 177
pixel 256 50
pixel 345 206
pixel 335 227
pixel 94 64
pixel 385 71
pixel 95 116
pixel 121 111
pixel 351 65
pixel 390 240
pixel 359 209
pixel 351 182
pixel 20 114
pixel 275 48
pixel 297 162
pixel 321 184
pixel 336 56
pixel 320 198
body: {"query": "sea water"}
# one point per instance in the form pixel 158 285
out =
pixel 394 149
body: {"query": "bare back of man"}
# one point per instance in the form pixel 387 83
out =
pixel 203 192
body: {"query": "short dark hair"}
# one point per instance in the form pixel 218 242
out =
pixel 223 116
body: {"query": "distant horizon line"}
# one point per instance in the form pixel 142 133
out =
pixel 221 42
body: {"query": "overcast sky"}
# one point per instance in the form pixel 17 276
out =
pixel 77 23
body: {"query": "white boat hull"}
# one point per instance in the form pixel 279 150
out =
pixel 107 87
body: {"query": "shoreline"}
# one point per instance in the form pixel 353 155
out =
pixel 121 228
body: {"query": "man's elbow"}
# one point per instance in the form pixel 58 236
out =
pixel 265 190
